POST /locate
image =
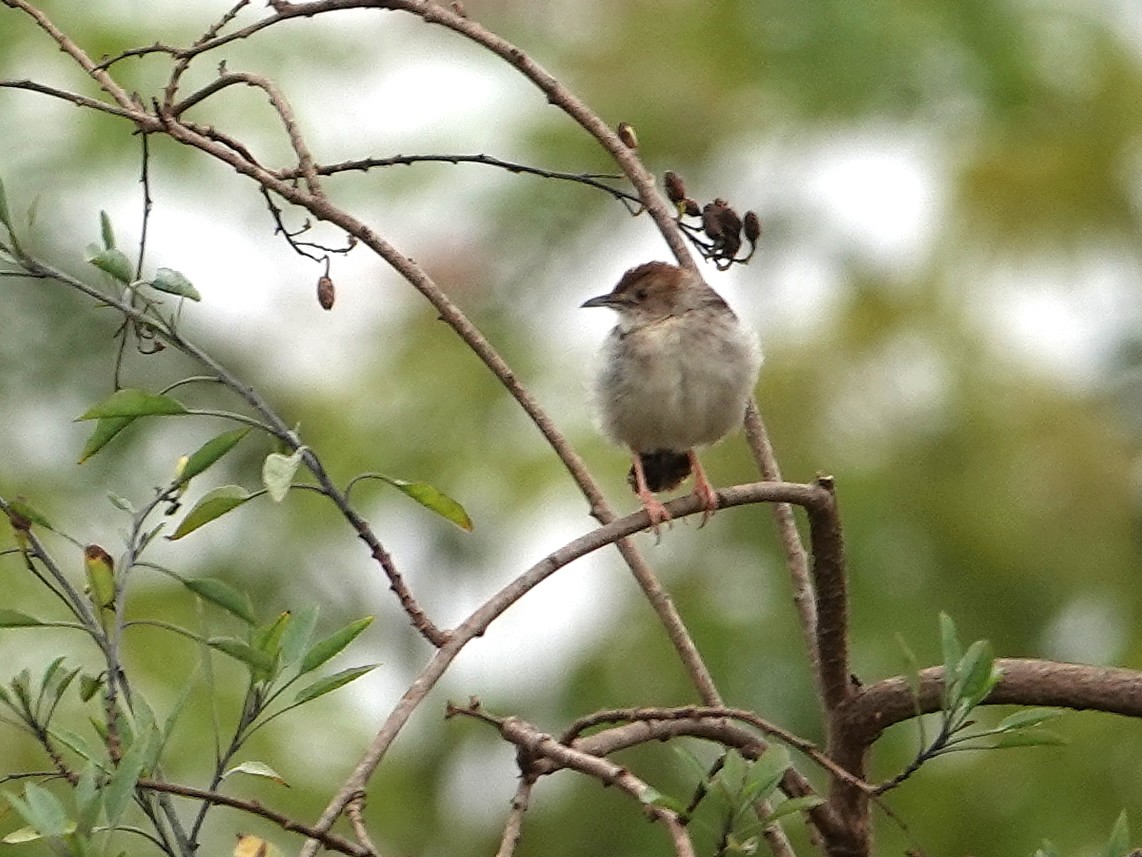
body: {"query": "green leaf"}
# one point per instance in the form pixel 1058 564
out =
pixel 16 619
pixel 653 797
pixel 106 232
pixel 950 645
pixel 1030 738
pixel 432 498
pixel 134 403
pixel 257 769
pixel 174 283
pixel 89 685
pixel 764 774
pixel 1027 718
pixel 331 683
pixel 323 650
pixel 222 594
pixel 214 504
pixel 258 661
pixel 18 837
pixel 121 786
pixel 1119 843
pixel 20 506
pixel 5 214
pixel 112 261
pixel 88 800
pixel 975 677
pixel 42 810
pixel 797 804
pixel 74 742
pixel 121 503
pixel 298 634
pixel 105 430
pixel 278 471
pixel 269 638
pixel 209 453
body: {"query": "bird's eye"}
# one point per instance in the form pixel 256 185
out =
pixel 640 294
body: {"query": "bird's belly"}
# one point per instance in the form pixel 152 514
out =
pixel 668 400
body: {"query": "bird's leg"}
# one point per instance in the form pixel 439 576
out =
pixel 702 488
pixel 656 511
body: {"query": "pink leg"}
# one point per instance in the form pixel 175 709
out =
pixel 702 488
pixel 656 511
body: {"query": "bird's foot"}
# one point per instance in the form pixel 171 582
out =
pixel 703 490
pixel 655 510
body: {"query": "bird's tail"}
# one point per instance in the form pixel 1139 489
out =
pixel 664 468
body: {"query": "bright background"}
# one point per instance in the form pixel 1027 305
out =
pixel 948 294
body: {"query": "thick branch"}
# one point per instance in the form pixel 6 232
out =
pixel 1025 681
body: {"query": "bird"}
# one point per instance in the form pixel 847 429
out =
pixel 677 372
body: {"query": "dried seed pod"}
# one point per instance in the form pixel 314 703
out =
pixel 712 220
pixel 690 207
pixel 627 135
pixel 325 292
pixel 752 227
pixel 675 187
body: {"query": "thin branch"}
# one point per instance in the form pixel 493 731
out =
pixel 479 621
pixel 796 560
pixel 513 826
pixel 332 841
pixel 698 713
pixel 593 180
pixel 281 106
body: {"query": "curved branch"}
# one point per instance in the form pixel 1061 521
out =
pixel 1024 681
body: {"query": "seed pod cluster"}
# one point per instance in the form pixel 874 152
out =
pixel 720 230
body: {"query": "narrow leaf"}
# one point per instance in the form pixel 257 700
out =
pixel 120 788
pixel 257 769
pixel 950 644
pixel 764 774
pixel 432 498
pixel 18 837
pixel 1030 738
pixel 269 638
pixel 16 619
pixel 134 403
pixel 209 453
pixel 797 804
pixel 974 674
pixel 325 649
pixel 257 661
pixel 222 594
pixel 106 232
pixel 213 504
pixel 1119 843
pixel 653 797
pixel 174 283
pixel 1029 717
pixel 331 683
pixel 278 471
pixel 47 814
pixel 113 262
pixel 298 634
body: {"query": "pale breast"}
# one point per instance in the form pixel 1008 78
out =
pixel 678 383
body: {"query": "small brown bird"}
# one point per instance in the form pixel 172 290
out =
pixel 677 371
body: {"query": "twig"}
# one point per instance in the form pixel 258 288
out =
pixel 332 841
pixel 796 560
pixel 513 826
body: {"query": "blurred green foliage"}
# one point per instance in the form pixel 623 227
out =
pixel 977 475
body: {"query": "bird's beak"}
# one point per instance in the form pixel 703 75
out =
pixel 608 300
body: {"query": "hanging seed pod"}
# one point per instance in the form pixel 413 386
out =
pixel 325 292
